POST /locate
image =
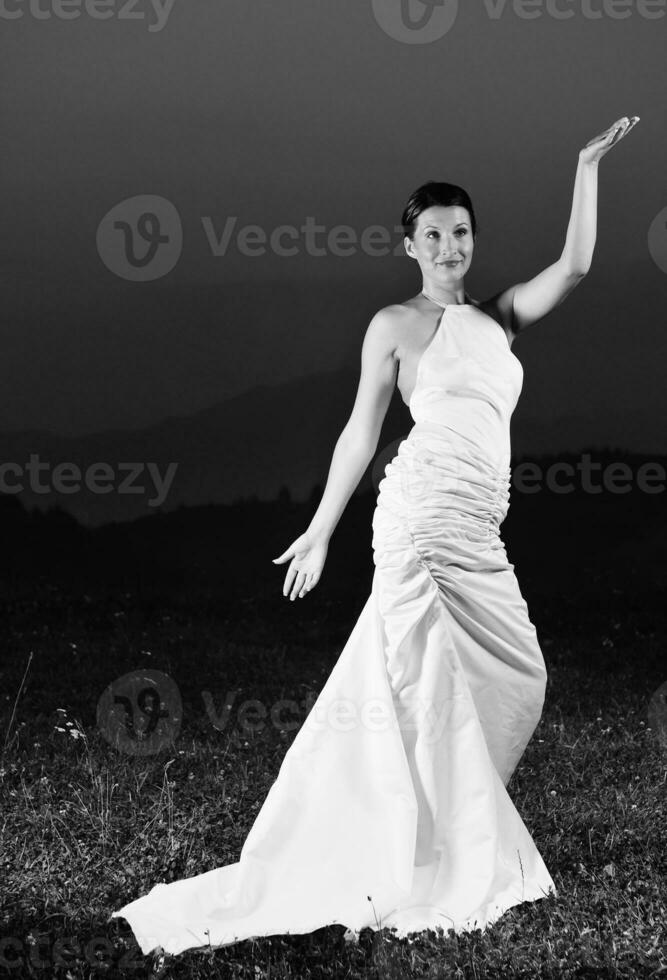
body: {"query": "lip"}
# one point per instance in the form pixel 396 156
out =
pixel 452 262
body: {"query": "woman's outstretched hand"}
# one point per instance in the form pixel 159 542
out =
pixel 596 148
pixel 308 553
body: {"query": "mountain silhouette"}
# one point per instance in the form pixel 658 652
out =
pixel 250 446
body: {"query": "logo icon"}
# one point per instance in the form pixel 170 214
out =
pixel 415 21
pixel 140 713
pixel 141 238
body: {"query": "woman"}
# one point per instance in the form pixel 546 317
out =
pixel 390 808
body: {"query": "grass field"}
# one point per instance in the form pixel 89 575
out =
pixel 86 828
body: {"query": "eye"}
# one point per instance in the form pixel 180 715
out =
pixel 463 231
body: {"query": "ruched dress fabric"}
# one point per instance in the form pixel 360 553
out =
pixel 390 808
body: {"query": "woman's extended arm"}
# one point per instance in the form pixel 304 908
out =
pixel 353 452
pixel 527 302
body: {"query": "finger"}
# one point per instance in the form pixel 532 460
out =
pixel 605 137
pixel 599 138
pixel 623 132
pixel 289 578
pixel 300 579
pixel 618 127
pixel 622 125
pixel 285 555
pixel 618 134
pixel 307 586
pixel 293 581
pixel 631 125
pixel 620 122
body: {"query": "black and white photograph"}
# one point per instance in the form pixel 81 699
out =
pixel 333 489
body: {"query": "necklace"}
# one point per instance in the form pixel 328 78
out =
pixel 438 303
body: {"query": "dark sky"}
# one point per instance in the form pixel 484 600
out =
pixel 276 112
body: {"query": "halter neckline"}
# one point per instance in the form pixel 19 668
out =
pixel 443 306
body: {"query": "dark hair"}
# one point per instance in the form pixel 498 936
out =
pixel 435 193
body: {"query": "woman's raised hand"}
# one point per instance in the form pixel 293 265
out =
pixel 308 553
pixel 596 148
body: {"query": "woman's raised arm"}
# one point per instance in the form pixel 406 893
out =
pixel 527 302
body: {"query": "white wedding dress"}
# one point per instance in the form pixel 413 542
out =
pixel 390 808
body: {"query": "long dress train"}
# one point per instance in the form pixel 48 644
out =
pixel 390 808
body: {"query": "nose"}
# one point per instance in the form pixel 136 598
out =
pixel 449 251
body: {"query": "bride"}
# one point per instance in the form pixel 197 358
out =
pixel 390 808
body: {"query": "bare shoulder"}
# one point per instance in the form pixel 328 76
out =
pixel 393 314
pixel 499 307
pixel 387 326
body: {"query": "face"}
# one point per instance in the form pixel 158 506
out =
pixel 442 244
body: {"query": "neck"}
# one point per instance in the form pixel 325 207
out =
pixel 439 296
